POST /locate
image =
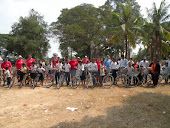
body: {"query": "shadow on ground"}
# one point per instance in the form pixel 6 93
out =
pixel 146 110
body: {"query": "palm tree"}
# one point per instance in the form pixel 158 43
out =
pixel 127 30
pixel 157 17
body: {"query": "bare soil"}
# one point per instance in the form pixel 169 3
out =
pixel 97 108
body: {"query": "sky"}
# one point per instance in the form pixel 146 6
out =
pixel 11 10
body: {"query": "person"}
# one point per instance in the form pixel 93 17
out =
pixel 5 64
pixel 29 61
pixel 8 74
pixel 18 65
pixel 144 63
pixel 66 59
pixel 81 72
pixel 23 71
pixel 54 59
pixel 94 70
pixel 60 64
pixel 74 64
pixel 155 71
pixel 107 63
pixel 166 71
pixel 102 72
pixel 41 71
pixel 33 70
pixel 43 63
pixel 67 68
pixel 131 61
pixel 114 68
pixel 57 71
pixel 164 61
pixel 129 69
pixel 86 59
pixel 123 62
pixel 98 66
pixel 169 61
pixel 78 59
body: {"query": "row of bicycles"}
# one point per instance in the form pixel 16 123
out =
pixel 123 79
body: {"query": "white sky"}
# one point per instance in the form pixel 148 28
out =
pixel 11 10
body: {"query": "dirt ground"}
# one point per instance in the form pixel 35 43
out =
pixel 97 108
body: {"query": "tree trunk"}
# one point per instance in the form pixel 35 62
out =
pixel 126 46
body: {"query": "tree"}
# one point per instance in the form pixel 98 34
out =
pixel 157 18
pixel 127 30
pixel 79 29
pixel 29 36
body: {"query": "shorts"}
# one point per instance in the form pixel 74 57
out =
pixel 73 72
pixel 33 75
pixel 41 76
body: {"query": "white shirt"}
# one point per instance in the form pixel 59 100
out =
pixel 129 70
pixel 7 73
pixel 123 63
pixel 145 64
pixel 56 67
pixel 114 65
pixel 67 67
pixel 93 67
pixel 41 70
pixel 60 66
pixel 33 68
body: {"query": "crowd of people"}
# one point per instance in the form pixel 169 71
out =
pixel 80 67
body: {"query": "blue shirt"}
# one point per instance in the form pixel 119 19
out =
pixel 107 63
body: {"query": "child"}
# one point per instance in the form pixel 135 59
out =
pixel 23 71
pixel 8 74
pixel 80 72
pixel 41 71
pixel 33 73
pixel 129 69
pixel 166 71
pixel 102 72
pixel 67 68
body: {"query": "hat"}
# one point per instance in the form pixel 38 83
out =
pixel 85 56
pixel 54 54
pixel 144 58
pixel 108 56
pixel 19 56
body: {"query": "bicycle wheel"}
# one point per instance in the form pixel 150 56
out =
pixel 160 78
pixel 75 83
pixel 23 80
pixel 35 81
pixel 48 82
pixel 149 80
pixel 91 82
pixel 60 82
pixel 11 83
pixel 121 81
pixel 107 81
pixel 133 82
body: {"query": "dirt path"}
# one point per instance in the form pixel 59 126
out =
pixel 115 107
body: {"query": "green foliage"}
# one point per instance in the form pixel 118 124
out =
pixel 29 36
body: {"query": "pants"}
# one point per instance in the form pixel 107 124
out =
pixel 155 78
pixel 114 73
pixel 67 76
pixel 94 74
pixel 57 76
pixel 22 76
pixel 8 80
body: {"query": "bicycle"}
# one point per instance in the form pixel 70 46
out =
pixel 121 79
pixel 91 80
pixel 107 81
pixel 61 80
pixel 12 79
pixel 50 78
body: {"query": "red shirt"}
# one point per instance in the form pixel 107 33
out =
pixel 73 63
pixel 85 60
pixel 19 63
pixel 98 65
pixel 56 60
pixel 29 62
pixel 6 64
